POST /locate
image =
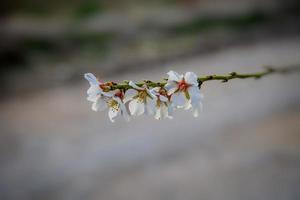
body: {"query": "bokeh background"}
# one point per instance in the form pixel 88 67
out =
pixel 245 145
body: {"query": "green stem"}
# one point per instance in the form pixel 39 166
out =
pixel 223 78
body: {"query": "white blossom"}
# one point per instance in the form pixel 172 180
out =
pixel 141 100
pixel 184 91
pixel 180 91
pixel 96 94
pixel 116 106
pixel 164 108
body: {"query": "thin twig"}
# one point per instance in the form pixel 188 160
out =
pixel 223 78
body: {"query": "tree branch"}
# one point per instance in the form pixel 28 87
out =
pixel 222 78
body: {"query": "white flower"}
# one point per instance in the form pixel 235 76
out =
pixel 184 91
pixel 96 94
pixel 180 91
pixel 142 100
pixel 164 109
pixel 116 105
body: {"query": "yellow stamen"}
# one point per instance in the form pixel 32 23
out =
pixel 113 104
pixel 142 95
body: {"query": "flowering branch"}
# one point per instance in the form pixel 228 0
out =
pixel 223 78
pixel 160 98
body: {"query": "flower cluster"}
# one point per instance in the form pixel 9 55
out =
pixel 179 91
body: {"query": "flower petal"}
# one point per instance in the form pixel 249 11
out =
pixel 112 92
pixel 113 113
pixel 157 113
pixel 170 111
pixel 173 76
pixel 124 112
pixel 99 104
pixel 164 111
pixel 92 98
pixel 197 109
pixel 188 105
pixel 91 78
pixel 122 107
pixel 150 106
pixel 171 87
pixel 163 98
pixel 172 91
pixel 132 84
pixel 191 78
pixel 129 94
pixel 94 90
pixel 179 99
pixel 136 107
pixel 151 94
pixel 194 93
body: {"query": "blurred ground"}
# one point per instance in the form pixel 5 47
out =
pixel 245 144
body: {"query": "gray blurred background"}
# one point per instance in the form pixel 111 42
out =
pixel 245 144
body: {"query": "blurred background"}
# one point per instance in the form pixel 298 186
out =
pixel 245 144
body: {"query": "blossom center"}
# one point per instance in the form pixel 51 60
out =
pixel 119 94
pixel 142 95
pixel 158 103
pixel 182 85
pixel 163 92
pixel 113 104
